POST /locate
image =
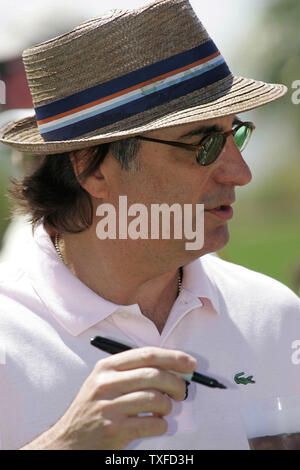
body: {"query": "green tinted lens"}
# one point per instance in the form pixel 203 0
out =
pixel 211 147
pixel 242 136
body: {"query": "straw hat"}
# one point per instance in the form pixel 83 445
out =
pixel 126 73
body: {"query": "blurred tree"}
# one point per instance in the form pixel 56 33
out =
pixel 277 48
pixel 18 32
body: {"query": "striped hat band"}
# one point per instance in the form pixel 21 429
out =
pixel 135 92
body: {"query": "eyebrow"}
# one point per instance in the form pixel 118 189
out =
pixel 202 130
pixel 205 130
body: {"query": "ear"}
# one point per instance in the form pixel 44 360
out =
pixel 96 183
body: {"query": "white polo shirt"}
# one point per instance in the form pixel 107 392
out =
pixel 229 318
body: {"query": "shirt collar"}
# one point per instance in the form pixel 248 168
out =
pixel 198 281
pixel 74 305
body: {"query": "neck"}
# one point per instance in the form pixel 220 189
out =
pixel 120 273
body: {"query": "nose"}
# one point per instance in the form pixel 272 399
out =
pixel 231 168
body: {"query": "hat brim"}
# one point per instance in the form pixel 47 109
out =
pixel 243 94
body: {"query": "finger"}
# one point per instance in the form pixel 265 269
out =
pixel 145 426
pixel 111 384
pixel 167 359
pixel 148 401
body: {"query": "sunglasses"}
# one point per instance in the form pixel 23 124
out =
pixel 210 147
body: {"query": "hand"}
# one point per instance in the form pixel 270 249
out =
pixel 104 414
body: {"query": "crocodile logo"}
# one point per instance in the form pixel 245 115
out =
pixel 243 380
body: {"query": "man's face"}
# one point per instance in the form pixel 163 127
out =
pixel 171 175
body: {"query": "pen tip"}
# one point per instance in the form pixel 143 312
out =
pixel 221 386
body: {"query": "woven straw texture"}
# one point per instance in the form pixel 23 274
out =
pixel 113 45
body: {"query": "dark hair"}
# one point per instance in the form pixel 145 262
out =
pixel 52 190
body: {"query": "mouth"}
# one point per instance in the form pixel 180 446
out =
pixel 223 212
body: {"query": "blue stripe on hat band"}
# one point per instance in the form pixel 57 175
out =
pixel 126 81
pixel 125 99
pixel 127 109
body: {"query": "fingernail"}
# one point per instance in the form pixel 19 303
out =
pixel 186 389
pixel 192 362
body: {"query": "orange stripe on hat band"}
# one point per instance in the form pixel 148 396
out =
pixel 128 90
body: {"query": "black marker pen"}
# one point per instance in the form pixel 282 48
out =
pixel 113 347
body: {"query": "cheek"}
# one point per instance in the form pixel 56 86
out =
pixel 163 182
pixel 138 187
pixel 146 185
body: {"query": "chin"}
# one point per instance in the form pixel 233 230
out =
pixel 214 240
pixel 217 240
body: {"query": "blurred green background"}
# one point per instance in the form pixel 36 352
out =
pixel 265 232
pixel 6 171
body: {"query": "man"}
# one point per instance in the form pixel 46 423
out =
pixel 142 104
